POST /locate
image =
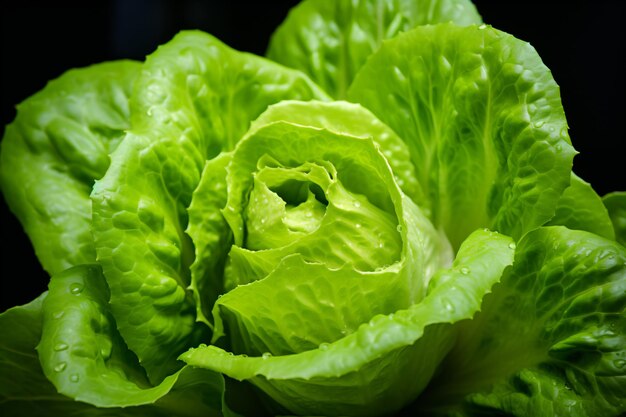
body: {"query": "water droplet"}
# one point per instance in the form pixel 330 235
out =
pixel 563 132
pixel 60 347
pixel 569 403
pixel 465 270
pixel 74 377
pixel 60 367
pixel 512 245
pixel 266 355
pixel 448 305
pixel 539 124
pixel 263 221
pixel 149 112
pixel 203 345
pixel 485 230
pixel 357 204
pixel 323 346
pixel 620 363
pixel 399 228
pixel 381 245
pixel 76 288
pixel 358 225
pixel 481 27
pixel 58 314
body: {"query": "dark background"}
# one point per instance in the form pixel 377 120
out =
pixel 582 42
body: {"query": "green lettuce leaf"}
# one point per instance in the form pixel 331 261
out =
pixel 199 86
pixel 550 339
pixel 211 236
pixel 83 355
pixel 24 389
pixel 194 98
pixel 331 199
pixel 57 146
pixel 580 208
pixel 388 360
pixel 21 378
pixel 615 203
pixel 344 117
pixel 330 39
pixel 483 120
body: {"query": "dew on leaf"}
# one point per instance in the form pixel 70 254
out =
pixel 76 288
pixel 448 305
pixel 60 347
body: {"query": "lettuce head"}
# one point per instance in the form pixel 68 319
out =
pixel 379 218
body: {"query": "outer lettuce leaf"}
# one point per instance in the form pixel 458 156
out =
pixel 211 236
pixel 199 86
pixel 24 389
pixel 580 208
pixel 483 120
pixel 83 355
pixel 21 378
pixel 615 203
pixel 331 39
pixel 551 338
pixel 139 233
pixel 385 362
pixel 195 98
pixel 58 144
